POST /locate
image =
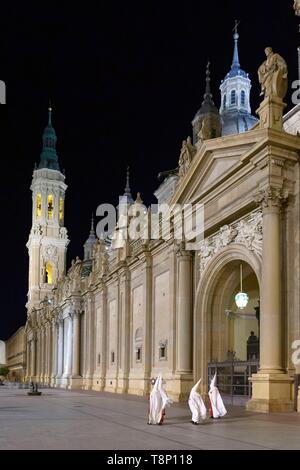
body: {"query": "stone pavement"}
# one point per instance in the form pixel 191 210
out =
pixel 89 420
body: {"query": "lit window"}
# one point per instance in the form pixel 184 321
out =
pixel 48 274
pixel 61 209
pixel 39 205
pixel 243 98
pixel 50 206
pixel 233 97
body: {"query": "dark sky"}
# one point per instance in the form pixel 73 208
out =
pixel 125 80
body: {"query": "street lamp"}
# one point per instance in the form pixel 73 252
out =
pixel 241 299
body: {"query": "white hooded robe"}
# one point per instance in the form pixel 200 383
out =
pixel 216 402
pixel 166 400
pixel 156 404
pixel 197 405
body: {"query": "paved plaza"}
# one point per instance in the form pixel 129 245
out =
pixel 89 420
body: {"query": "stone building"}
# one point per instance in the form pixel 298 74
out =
pixel 128 312
pixel 16 355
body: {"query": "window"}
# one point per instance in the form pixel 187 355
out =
pixel 233 97
pixel 99 359
pixel 50 206
pixel 39 205
pixel 243 98
pixel 224 101
pixel 112 357
pixel 48 274
pixel 163 350
pixel 61 209
pixel 139 355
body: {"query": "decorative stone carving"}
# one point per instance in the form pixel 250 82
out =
pixel 186 156
pixel 247 232
pixel 273 75
pixel 37 229
pixel 50 253
pixel 271 197
pixel 63 233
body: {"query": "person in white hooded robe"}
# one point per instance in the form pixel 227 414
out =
pixel 167 402
pixel 217 408
pixel 197 405
pixel 156 404
pixel 159 400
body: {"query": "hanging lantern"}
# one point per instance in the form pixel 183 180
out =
pixel 241 299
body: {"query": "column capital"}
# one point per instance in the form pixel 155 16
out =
pixel 271 197
pixel 182 252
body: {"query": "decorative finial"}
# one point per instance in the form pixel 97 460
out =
pixel 236 60
pixel 127 188
pixel 49 113
pixel 92 225
pixel 207 90
pixel 138 199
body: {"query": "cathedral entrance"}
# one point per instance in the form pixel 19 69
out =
pixel 227 332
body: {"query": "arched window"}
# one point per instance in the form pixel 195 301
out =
pixel 39 205
pixel 48 274
pixel 243 98
pixel 233 97
pixel 50 206
pixel 224 101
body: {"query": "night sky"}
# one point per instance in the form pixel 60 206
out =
pixel 125 80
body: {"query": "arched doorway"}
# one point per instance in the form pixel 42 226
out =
pixel 221 330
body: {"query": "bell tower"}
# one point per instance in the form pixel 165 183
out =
pixel 48 239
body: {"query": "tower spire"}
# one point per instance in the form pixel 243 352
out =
pixel 127 187
pixel 236 59
pixel 92 232
pixel 49 157
pixel 208 94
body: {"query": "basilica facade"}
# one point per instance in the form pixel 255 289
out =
pixel 124 314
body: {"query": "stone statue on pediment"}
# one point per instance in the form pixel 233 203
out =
pixel 187 154
pixel 273 75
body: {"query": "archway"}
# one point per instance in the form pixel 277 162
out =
pixel 221 330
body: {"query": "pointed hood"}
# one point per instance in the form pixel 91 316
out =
pixel 195 387
pixel 213 381
pixel 157 384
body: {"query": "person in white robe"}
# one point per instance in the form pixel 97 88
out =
pixel 156 404
pixel 197 405
pixel 167 402
pixel 159 400
pixel 217 408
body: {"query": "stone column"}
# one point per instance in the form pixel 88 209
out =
pixel 28 359
pixel 90 334
pixel 60 348
pixel 54 352
pixel 271 386
pixel 33 358
pixel 184 314
pixel 184 324
pixel 124 330
pixel 76 345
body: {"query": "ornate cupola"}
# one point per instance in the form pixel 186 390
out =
pixel 235 89
pixel 49 157
pixel 208 113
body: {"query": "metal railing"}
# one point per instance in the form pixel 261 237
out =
pixel 233 377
